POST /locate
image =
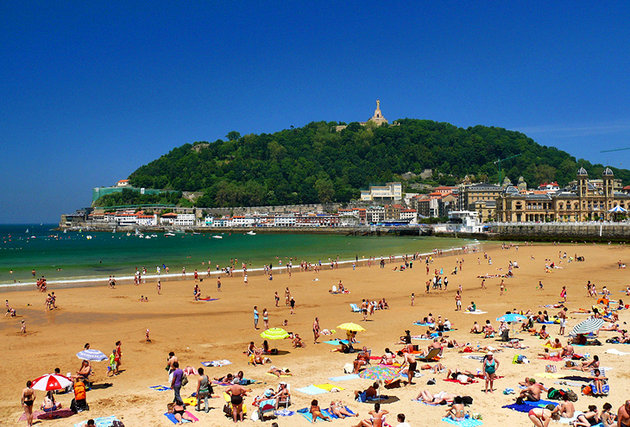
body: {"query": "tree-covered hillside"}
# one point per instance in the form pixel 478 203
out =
pixel 317 164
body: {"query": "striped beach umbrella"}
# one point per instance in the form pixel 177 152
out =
pixel 274 334
pixel 51 382
pixel 587 326
pixel 92 355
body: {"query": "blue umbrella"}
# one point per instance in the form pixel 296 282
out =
pixel 92 355
pixel 511 317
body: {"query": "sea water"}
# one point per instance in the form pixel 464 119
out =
pixel 82 257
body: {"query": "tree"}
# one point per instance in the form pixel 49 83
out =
pixel 233 135
pixel 325 190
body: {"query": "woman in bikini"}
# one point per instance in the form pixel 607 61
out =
pixel 541 417
pixel 587 419
pixel 49 404
pixel 179 410
pixel 377 417
pixel 339 409
pixel 316 412
pixel 456 412
pixel 27 400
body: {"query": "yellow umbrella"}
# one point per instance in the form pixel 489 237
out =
pixel 351 327
pixel 274 334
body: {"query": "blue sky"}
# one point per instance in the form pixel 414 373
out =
pixel 89 91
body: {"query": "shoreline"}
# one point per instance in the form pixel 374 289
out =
pixel 95 281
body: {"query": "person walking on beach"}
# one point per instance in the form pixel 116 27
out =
pixel 563 294
pixel 483 283
pixel 176 382
pixel 413 297
pixel 458 301
pixel 118 356
pixel 316 330
pixel 255 317
pixel 276 298
pixel 219 284
pixel 287 296
pixel 159 287
pixel 27 400
pixel 292 304
pixel 266 318
pixel 23 328
pixel 562 315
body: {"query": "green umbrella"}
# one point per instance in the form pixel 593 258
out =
pixel 274 334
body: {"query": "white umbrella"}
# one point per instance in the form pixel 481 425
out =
pixel 587 326
pixel 51 382
pixel 92 355
pixel 617 209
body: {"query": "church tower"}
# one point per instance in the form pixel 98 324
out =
pixel 378 115
pixel 609 183
pixel 582 178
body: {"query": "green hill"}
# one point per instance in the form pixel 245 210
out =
pixel 315 163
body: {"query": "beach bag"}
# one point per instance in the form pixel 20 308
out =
pixel 184 380
pixel 552 393
pixel 586 390
pixel 551 369
pixel 572 396
pixel 348 368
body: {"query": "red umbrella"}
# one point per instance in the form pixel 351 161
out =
pixel 51 382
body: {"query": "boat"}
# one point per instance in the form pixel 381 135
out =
pixel 88 237
pixel 169 234
pixel 217 237
pixel 250 233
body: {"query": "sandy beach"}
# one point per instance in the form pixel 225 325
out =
pixel 202 331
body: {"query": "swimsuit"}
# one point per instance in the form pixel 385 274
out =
pixel 236 400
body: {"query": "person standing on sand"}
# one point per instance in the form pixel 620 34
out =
pixel 176 382
pixel 219 284
pixel 266 318
pixel 413 297
pixel 292 304
pixel 490 366
pixel 410 360
pixel 118 356
pixel 237 392
pixel 562 315
pixel 27 400
pixel 483 283
pixel 159 287
pixel 458 301
pixel 276 298
pixel 255 317
pixel 315 330
pixel 23 328
pixel 563 293
pixel 502 288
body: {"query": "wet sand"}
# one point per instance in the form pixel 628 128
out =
pixel 200 331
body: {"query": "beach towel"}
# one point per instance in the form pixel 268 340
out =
pixel 190 401
pixel 569 383
pixel 527 405
pixel 216 363
pixel 311 390
pixel 549 375
pixel 100 422
pixel 159 388
pixel 552 358
pixel 570 420
pixel 329 387
pixel 476 312
pixel 283 413
pixel 208 299
pixel 468 422
pixel 617 352
pixel 172 418
pixel 281 376
pixel 305 412
pixel 451 380
pixel 430 325
pixel 345 377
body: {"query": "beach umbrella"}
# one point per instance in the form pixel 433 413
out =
pixel 274 334
pixel 379 373
pixel 92 355
pixel 351 327
pixel 511 317
pixel 587 326
pixel 51 382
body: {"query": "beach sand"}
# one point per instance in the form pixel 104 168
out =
pixel 201 331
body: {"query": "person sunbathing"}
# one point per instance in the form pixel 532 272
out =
pixel 338 409
pixel 488 330
pixel 266 395
pixel 363 358
pixel 598 381
pixel 456 412
pixel 279 372
pixel 568 350
pixel 437 368
pixel 49 404
pixel 514 344
pixel 388 358
pixel 532 392
pixel 229 378
pixel 316 412
pixel 435 399
pixel 476 329
pixel 283 394
pixel 297 341
pixel 587 419
pixel 369 393
pixel 555 344
pixel 461 376
pixel 344 348
pixel 179 410
pixel 565 409
pixel 548 354
pixel 543 334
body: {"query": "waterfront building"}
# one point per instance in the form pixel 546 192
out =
pixel 481 198
pixel 582 201
pixel 374 214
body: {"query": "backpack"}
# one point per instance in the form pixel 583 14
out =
pixel 572 396
pixel 552 393
pixel 184 380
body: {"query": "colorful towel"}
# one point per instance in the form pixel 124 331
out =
pixel 429 325
pixel 337 342
pixel 172 418
pixel 159 388
pixel 190 401
pixel 100 422
pixel 283 413
pixel 345 377
pixel 305 412
pixel 468 422
pixel 554 375
pixel 216 363
pixel 329 387
pixel 331 415
pixel 311 390
pixel 527 405
pixel 208 299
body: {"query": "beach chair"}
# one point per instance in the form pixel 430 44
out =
pixel 355 308
pixel 433 356
pixel 267 408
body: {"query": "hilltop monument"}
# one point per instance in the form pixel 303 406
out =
pixel 378 115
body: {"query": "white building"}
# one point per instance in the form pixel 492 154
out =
pixel 392 191
pixel 185 220
pixel 126 218
pixel 410 214
pixel 243 221
pixel 146 220
pixel 468 221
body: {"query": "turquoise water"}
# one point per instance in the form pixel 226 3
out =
pixel 72 255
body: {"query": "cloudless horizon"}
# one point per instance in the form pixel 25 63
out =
pixel 90 91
